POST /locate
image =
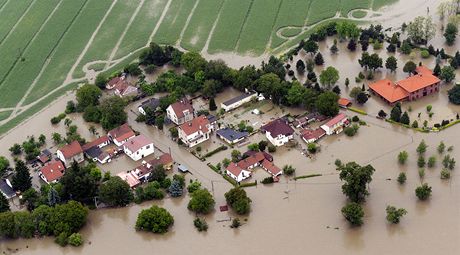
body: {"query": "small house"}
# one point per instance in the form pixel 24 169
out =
pixel 312 135
pixel 123 89
pixel 237 101
pixel 344 103
pixel 231 136
pixel 129 178
pixel 52 172
pixel 180 112
pixel 195 131
pixel 336 124
pixel 121 134
pixel 138 147
pixel 70 153
pixel 7 189
pixel 151 104
pixel 237 173
pixel 278 132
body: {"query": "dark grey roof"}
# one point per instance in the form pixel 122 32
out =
pixel 46 152
pixel 211 118
pixel 152 103
pixel 93 152
pixel 7 191
pixel 231 134
pixel 236 99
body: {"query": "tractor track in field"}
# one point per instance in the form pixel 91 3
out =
pixel 17 22
pixel 187 22
pixel 243 26
pixel 3 5
pixel 122 36
pixel 211 32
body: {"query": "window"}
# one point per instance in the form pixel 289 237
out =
pixel 147 147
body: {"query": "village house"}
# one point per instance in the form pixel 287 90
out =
pixel 421 84
pixel 52 172
pixel 121 134
pixel 242 170
pixel 138 147
pixel 278 132
pixel 180 112
pixel 142 172
pixel 336 124
pixel 344 103
pixel 70 153
pixel 151 104
pixel 237 101
pixel 113 82
pixel 93 150
pixel 237 173
pixel 231 136
pixel 129 178
pixel 312 135
pixel 123 89
pixel 195 131
pixel 45 156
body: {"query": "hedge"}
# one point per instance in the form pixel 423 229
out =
pixel 307 176
pixel 221 148
pixel 357 110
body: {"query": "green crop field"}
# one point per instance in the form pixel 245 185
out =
pixel 46 46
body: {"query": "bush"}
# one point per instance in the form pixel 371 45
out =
pixel 312 148
pixel 201 202
pixel 352 130
pixel 394 215
pixel 75 239
pixel 421 161
pixel 288 170
pixel 235 223
pixel 193 186
pixel 445 174
pixel 423 192
pixel 355 118
pixel 219 149
pixel 200 224
pixel 402 157
pixel 268 180
pixel 155 219
pixel 238 200
pixel 271 148
pixel 425 54
pixel 402 178
pixel 353 213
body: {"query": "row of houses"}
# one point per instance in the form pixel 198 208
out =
pixel 242 170
pixel 331 127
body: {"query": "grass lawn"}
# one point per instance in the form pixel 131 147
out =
pixel 143 25
pixel 108 35
pixel 229 26
pixel 259 26
pixel 34 57
pixel 70 48
pixel 174 21
pixel 200 24
pixel 291 31
pixel 359 14
pixel 292 13
pixel 5 114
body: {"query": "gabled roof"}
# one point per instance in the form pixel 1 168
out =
pixel 231 134
pixel 234 169
pixel 237 99
pixel 53 170
pixel 97 142
pixel 271 168
pixel 6 189
pixel 195 125
pixel 338 118
pixel 343 102
pixel 137 142
pixel 182 106
pixel 388 90
pixel 418 81
pixel 114 81
pixel 71 149
pixel 278 127
pixel 122 85
pixel 122 132
pixel 309 134
pixel 129 178
pixel 152 104
pixel 251 160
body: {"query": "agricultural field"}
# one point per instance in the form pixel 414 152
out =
pixel 48 46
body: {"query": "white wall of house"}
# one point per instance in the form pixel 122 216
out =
pixel 193 139
pixel 121 142
pixel 279 140
pixel 171 115
pixel 139 154
pixel 242 176
pixel 67 162
pixel 237 103
pixel 337 128
pixel 188 116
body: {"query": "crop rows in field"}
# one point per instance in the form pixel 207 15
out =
pixel 348 5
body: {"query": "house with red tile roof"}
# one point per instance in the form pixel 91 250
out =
pixel 113 82
pixel 336 124
pixel 70 153
pixel 421 84
pixel 180 112
pixel 121 134
pixel 312 135
pixel 237 173
pixel 123 89
pixel 278 132
pixel 52 172
pixel 242 170
pixel 195 131
pixel 271 168
pixel 138 147
pixel 99 142
pixel 344 102
pixel 165 160
pixel 143 171
pixel 129 178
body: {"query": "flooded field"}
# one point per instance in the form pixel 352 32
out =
pixel 291 217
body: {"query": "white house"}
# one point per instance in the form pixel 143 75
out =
pixel 237 173
pixel 195 131
pixel 138 147
pixel 278 132
pixel 70 153
pixel 237 101
pixel 312 135
pixel 121 134
pixel 180 112
pixel 336 124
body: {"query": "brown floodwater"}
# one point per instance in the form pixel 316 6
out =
pixel 291 216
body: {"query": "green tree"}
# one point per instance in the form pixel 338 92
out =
pixel 311 47
pixel 405 119
pixel 353 213
pixel 402 178
pixel 431 161
pixel 409 67
pixel 101 81
pixel 112 112
pixel 402 157
pixel 4 164
pixel 421 161
pixel 406 48
pixel 454 95
pixel 356 179
pixel 361 98
pixel 87 95
pixel 329 76
pixel 155 219
pixel 421 30
pixel 193 186
pixel 441 147
pixel 394 214
pixel 354 92
pixel 319 61
pixel 423 192
pixel 421 148
pixel 288 170
pixel 253 147
pixel 212 104
pixel 450 33
pixel 115 192
pixel 238 200
pixel 21 180
pixel 157 174
pixel 193 62
pixel 78 184
pixel 16 149
pixel 391 63
pixel 448 74
pixel 201 202
pixel 176 189
pixel 57 138
pixel 327 104
pixel 133 69
pixel 395 114
pixel 75 239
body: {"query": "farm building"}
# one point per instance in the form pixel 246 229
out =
pixel 121 134
pixel 70 153
pixel 152 104
pixel 195 131
pixel 336 124
pixel 180 112
pixel 421 84
pixel 138 147
pixel 312 135
pixel 231 136
pixel 52 172
pixel 278 132
pixel 237 101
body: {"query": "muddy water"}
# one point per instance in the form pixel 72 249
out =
pixel 290 217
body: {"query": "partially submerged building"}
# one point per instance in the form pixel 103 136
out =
pixel 71 153
pixel 195 131
pixel 231 136
pixel 237 101
pixel 278 132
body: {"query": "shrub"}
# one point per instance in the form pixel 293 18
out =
pixel 155 219
pixel 421 161
pixel 238 200
pixel 402 178
pixel 353 213
pixel 268 180
pixel 355 118
pixel 288 170
pixel 394 215
pixel 425 54
pixel 75 239
pixel 200 224
pixel 201 202
pixel 402 157
pixel 271 148
pixel 431 161
pixel 423 192
pixel 193 186
pixel 312 148
pixel 235 223
pixel 445 174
